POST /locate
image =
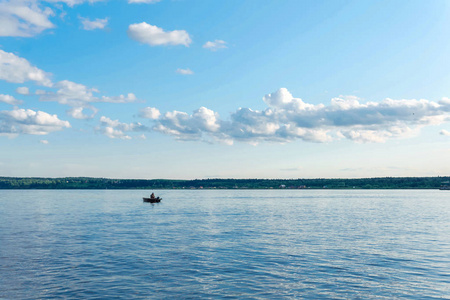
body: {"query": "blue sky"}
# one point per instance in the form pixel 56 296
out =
pixel 206 89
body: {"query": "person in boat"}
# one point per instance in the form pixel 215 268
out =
pixel 152 196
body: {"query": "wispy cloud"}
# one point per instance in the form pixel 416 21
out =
pixel 155 36
pixel 118 130
pixel 9 100
pixel 93 24
pixel 215 45
pixel 23 90
pixel 184 71
pixel 291 169
pixel 445 132
pixel 144 1
pixel 72 3
pixel 28 18
pixel 23 18
pixel 80 98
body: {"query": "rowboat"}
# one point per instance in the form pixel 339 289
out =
pixel 152 200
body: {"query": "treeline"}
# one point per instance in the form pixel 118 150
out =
pixel 319 183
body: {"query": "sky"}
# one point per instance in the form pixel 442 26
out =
pixel 185 89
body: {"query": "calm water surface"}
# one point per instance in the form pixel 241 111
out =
pixel 225 244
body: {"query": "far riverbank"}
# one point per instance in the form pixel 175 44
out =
pixel 300 183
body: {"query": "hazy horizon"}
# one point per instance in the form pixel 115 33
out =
pixel 444 177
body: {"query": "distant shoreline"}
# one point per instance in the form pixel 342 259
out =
pixel 88 183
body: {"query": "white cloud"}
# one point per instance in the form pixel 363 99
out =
pixel 23 18
pixel 79 112
pixel 184 71
pixel 216 45
pixel 45 142
pixel 116 129
pixel 27 18
pixel 21 121
pixel 70 93
pixel 144 1
pixel 445 132
pixel 367 136
pixel 9 100
pixel 150 113
pixel 445 101
pixel 72 3
pixel 95 24
pixel 155 36
pixel 189 127
pixel 114 133
pixel 283 99
pixel 80 97
pixel 130 97
pixel 18 70
pixel 287 118
pixel 345 102
pixel 23 90
pixel 122 126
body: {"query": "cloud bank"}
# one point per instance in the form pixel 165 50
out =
pixel 287 118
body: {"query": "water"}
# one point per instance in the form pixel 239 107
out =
pixel 225 244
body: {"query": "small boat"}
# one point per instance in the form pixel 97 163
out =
pixel 152 200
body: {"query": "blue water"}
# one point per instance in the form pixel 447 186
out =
pixel 236 244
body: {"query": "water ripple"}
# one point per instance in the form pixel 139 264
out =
pixel 225 245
